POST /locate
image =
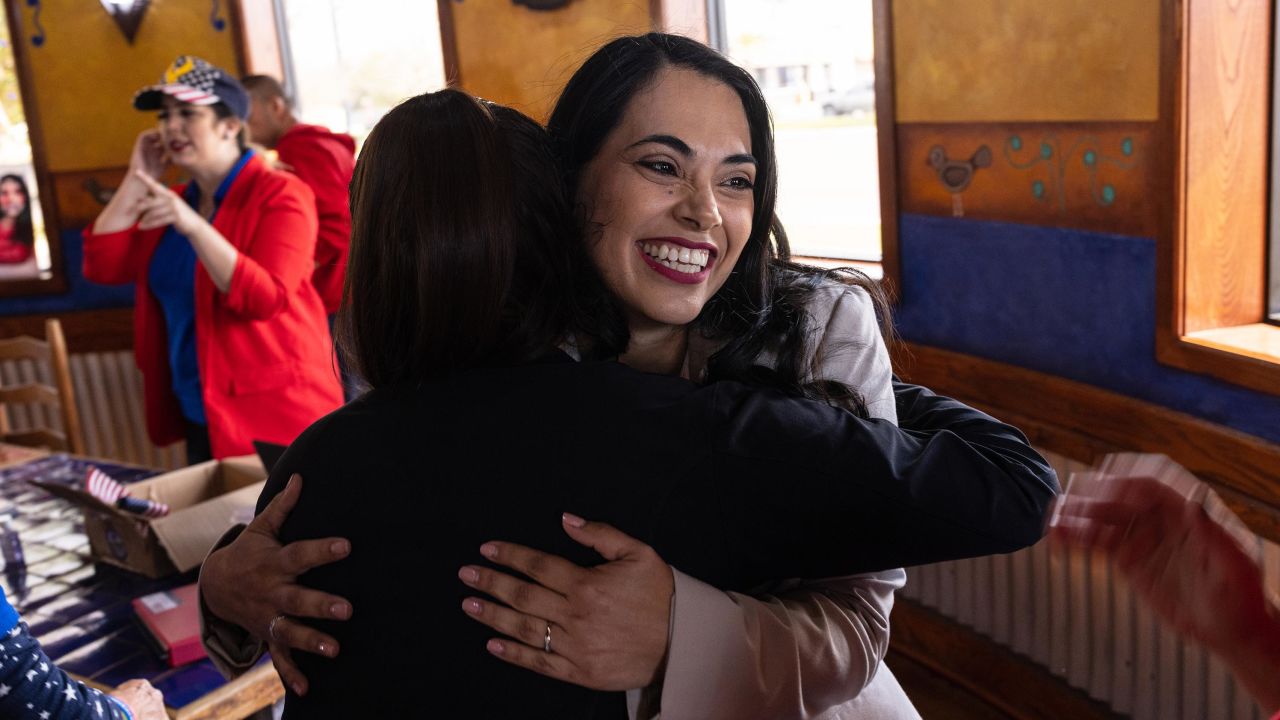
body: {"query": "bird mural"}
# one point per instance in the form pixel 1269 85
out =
pixel 956 175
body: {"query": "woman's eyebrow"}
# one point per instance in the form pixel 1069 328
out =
pixel 670 141
pixel 683 148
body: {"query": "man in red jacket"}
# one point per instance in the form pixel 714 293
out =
pixel 324 161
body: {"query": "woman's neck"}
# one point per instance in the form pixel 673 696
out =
pixel 209 177
pixel 656 347
pixel 7 222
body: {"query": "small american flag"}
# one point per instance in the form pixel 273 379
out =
pixel 103 486
pixel 108 490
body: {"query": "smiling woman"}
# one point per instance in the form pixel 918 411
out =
pixel 672 181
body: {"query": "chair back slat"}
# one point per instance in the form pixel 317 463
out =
pixel 39 438
pixel 60 396
pixel 34 393
pixel 24 347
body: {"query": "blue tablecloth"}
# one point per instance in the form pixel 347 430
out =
pixel 79 610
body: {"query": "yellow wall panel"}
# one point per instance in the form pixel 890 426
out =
pixel 1026 60
pixel 85 73
pixel 520 57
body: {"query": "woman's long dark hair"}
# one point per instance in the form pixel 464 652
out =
pixel 23 229
pixel 761 306
pixel 457 259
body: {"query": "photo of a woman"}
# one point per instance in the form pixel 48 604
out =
pixel 17 232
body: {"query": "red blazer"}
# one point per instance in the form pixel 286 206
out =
pixel 325 160
pixel 266 360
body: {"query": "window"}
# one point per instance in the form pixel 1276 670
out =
pixel 814 60
pixel 1215 298
pixel 349 65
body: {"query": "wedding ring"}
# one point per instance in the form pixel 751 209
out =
pixel 546 639
pixel 271 629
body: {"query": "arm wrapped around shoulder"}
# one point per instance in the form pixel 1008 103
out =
pixel 812 491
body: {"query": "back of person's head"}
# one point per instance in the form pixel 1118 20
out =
pixel 463 247
pixel 264 86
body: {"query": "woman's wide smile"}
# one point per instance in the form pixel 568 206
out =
pixel 678 259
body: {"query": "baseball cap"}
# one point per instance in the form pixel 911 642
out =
pixel 195 81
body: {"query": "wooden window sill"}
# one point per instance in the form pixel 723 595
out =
pixel 1259 341
pixel 1247 355
pixel 874 270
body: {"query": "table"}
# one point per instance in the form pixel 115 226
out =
pixel 80 610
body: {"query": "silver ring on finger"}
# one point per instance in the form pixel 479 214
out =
pixel 546 639
pixel 271 629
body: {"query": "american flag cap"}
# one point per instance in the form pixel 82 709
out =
pixel 195 81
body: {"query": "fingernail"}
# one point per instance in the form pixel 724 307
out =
pixel 495 647
pixel 340 547
pixel 342 611
pixel 472 606
pixel 324 649
pixel 489 550
pixel 573 520
pixel 298 689
pixel 469 575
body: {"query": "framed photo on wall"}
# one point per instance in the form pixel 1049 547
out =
pixel 30 252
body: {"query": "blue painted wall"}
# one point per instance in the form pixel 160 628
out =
pixel 1076 304
pixel 81 294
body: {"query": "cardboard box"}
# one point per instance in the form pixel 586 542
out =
pixel 205 500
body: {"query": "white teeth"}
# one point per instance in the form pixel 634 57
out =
pixel 682 259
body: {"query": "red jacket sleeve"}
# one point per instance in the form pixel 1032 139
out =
pixel 329 177
pixel 112 258
pixel 278 258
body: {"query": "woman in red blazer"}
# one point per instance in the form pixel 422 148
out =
pixel 229 332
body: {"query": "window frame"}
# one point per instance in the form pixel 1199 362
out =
pixel 1211 288
pixel 1272 286
pixel 886 270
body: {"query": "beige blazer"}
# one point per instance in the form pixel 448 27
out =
pixel 809 649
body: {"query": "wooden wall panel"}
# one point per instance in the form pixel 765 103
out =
pixel 1094 176
pixel 85 73
pixel 539 49
pixel 1026 60
pixel 82 195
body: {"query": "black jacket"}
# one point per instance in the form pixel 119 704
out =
pixel 732 485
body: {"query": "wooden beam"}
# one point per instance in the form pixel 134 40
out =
pixel 258 38
pixel 449 43
pixel 86 331
pixel 887 146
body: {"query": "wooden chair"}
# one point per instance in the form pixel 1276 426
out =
pixel 52 351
